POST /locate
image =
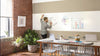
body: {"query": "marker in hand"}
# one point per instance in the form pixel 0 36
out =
pixel 51 23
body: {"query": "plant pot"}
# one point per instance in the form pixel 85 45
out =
pixel 18 44
pixel 32 48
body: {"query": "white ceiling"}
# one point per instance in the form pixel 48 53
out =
pixel 40 1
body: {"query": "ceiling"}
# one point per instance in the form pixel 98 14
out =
pixel 41 1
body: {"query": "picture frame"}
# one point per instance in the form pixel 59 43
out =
pixel 21 21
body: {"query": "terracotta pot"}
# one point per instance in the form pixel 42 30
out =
pixel 32 48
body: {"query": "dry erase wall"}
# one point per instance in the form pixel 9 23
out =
pixel 87 21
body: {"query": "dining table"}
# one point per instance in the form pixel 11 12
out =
pixel 71 42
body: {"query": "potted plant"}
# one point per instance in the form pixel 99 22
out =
pixel 30 39
pixel 18 42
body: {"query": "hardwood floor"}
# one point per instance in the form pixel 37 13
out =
pixel 24 54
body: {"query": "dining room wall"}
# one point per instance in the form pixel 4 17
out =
pixel 22 8
pixel 68 34
pixel 66 6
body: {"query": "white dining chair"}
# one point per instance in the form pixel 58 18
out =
pixel 48 48
pixel 55 46
pixel 59 48
pixel 65 53
pixel 82 54
pixel 90 38
pixel 52 37
pixel 48 51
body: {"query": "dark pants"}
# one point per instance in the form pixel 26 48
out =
pixel 44 45
pixel 44 36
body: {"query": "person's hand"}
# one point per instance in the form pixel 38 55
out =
pixel 50 23
pixel 42 16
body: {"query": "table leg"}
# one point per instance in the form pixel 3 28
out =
pixel 40 49
pixel 99 51
pixel 95 48
pixel 51 46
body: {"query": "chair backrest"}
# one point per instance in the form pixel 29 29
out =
pixel 91 37
pixel 51 36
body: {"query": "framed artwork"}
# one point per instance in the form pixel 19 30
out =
pixel 21 21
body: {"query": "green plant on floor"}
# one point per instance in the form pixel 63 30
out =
pixel 30 37
pixel 18 42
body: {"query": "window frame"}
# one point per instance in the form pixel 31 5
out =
pixel 10 25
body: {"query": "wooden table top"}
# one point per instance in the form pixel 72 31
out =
pixel 70 42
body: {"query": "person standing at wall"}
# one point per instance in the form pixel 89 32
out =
pixel 44 27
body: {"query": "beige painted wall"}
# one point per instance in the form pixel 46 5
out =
pixel 67 6
pixel 72 33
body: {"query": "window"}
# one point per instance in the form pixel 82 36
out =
pixel 6 21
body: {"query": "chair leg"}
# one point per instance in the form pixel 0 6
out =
pixel 57 52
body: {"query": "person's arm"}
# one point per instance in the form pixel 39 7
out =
pixel 41 18
pixel 49 26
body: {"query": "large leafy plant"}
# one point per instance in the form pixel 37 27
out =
pixel 30 37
